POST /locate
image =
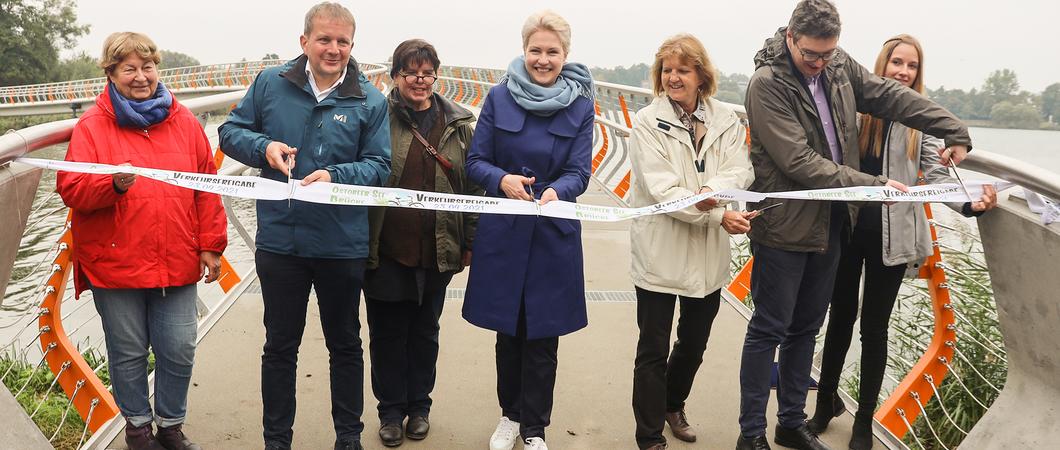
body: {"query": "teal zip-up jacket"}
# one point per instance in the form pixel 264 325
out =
pixel 347 133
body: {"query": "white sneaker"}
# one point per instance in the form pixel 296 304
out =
pixel 505 435
pixel 535 443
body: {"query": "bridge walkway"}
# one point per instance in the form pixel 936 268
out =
pixel 593 390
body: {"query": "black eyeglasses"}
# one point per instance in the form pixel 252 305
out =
pixel 411 78
pixel 814 56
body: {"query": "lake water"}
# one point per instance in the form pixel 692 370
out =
pixel 1041 148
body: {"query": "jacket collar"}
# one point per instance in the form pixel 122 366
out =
pixel 718 120
pixel 451 112
pixel 564 122
pixel 294 71
pixel 775 54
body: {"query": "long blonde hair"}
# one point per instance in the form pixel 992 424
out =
pixel 870 138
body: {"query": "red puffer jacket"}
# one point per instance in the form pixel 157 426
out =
pixel 150 236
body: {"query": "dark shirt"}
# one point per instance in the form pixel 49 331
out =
pixel 870 216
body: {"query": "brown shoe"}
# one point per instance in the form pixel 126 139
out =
pixel 173 438
pixel 141 437
pixel 657 447
pixel 679 426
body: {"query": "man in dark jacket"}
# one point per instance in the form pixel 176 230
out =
pixel 801 104
pixel 319 119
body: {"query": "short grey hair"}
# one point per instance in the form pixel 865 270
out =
pixel 328 10
pixel 817 19
pixel 547 20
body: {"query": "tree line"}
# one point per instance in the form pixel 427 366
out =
pixel 998 103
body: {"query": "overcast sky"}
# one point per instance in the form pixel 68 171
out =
pixel 963 40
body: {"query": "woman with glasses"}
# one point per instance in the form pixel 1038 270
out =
pixel 413 254
pixel 685 142
pixel 886 240
pixel 532 143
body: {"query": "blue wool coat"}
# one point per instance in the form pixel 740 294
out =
pixel 529 263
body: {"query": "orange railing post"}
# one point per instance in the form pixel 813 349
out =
pixel 901 407
pixel 78 380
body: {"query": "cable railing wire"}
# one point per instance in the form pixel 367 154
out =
pixel 926 419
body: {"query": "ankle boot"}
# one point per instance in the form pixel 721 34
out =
pixel 861 435
pixel 141 437
pixel 829 406
pixel 173 438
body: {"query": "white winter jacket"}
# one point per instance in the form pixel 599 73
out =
pixel 685 252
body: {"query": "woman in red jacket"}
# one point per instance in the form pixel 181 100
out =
pixel 142 245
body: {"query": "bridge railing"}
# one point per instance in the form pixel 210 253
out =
pixel 615 104
pixel 219 77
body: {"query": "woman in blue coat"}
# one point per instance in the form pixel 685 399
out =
pixel 532 142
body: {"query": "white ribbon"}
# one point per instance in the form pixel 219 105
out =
pixel 354 195
pixel 1043 205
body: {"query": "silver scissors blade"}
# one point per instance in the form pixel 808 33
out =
pixel 959 180
pixel 290 187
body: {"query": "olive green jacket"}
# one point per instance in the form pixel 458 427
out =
pixel 789 149
pixel 453 231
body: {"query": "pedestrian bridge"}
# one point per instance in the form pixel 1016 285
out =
pixel 1002 273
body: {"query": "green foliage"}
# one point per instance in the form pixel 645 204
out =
pixel 635 75
pixel 172 60
pixel 79 67
pixel 1009 115
pixel 32 32
pixel 49 401
pixel 979 365
pixel 1050 102
pixel 269 56
pixel 1001 85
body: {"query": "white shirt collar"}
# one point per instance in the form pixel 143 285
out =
pixel 322 94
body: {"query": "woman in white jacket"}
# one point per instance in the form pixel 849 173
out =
pixel 683 143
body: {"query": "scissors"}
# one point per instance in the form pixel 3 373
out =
pixel 288 160
pixel 758 212
pixel 959 180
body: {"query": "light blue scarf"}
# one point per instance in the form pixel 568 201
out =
pixel 574 80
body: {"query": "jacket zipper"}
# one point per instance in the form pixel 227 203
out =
pixel 885 155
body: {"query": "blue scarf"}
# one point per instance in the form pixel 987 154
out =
pixel 574 80
pixel 140 114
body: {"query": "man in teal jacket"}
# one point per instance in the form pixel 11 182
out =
pixel 316 118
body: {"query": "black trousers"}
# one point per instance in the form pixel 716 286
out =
pixel 404 350
pixel 526 379
pixel 662 379
pixel 881 289
pixel 285 284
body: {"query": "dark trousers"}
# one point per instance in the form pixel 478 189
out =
pixel 881 289
pixel 526 379
pixel 404 350
pixel 662 380
pixel 285 284
pixel 791 292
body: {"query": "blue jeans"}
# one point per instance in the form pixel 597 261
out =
pixel 791 292
pixel 164 320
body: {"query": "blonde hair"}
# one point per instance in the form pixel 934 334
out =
pixel 690 51
pixel 119 46
pixel 547 20
pixel 328 10
pixel 870 137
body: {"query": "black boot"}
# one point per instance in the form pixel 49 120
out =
pixel 861 435
pixel 829 406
